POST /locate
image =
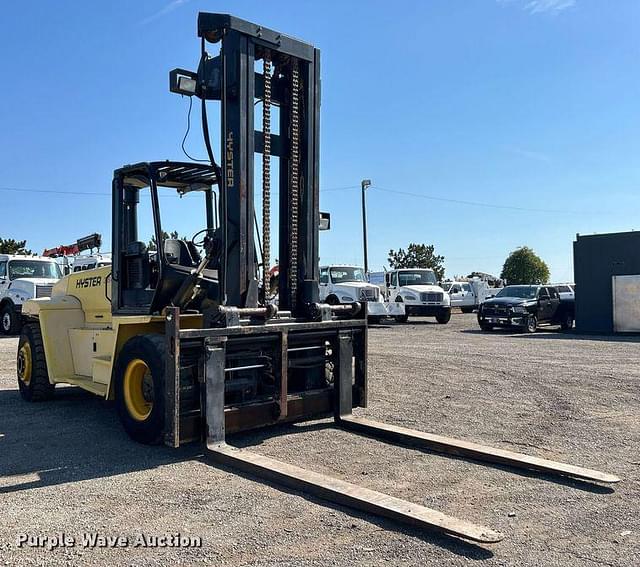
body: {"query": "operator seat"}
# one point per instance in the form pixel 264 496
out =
pixel 181 252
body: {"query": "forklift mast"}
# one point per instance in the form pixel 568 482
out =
pixel 289 79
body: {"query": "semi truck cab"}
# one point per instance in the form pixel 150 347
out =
pixel 23 278
pixel 418 290
pixel 348 284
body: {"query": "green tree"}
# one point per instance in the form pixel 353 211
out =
pixel 418 256
pixel 153 245
pixel 11 246
pixel 524 266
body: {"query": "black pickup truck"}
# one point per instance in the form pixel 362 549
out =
pixel 526 306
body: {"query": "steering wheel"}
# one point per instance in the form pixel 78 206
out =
pixel 201 241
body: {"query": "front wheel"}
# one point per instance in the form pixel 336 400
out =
pixel 374 320
pixel 139 388
pixel 9 321
pixel 486 327
pixel 532 324
pixel 466 309
pixel 402 318
pixel 31 364
pixel 444 317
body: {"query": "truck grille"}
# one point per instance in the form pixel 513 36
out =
pixel 431 296
pixel 496 310
pixel 367 294
pixel 43 290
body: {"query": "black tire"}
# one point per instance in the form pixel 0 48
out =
pixel 566 324
pixel 444 317
pixel 375 320
pixel 466 309
pixel 332 300
pixel 10 322
pixel 486 327
pixel 531 325
pixel 33 376
pixel 402 318
pixel 141 410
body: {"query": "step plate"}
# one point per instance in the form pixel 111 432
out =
pixel 348 494
pixel 461 448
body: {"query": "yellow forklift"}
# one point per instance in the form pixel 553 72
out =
pixel 187 336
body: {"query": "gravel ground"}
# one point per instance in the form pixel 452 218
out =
pixel 66 466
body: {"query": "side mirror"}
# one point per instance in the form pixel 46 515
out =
pixel 325 221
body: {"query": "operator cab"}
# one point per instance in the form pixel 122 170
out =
pixel 165 226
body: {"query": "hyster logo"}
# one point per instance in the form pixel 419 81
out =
pixel 95 281
pixel 229 159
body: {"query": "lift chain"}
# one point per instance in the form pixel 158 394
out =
pixel 266 174
pixel 295 182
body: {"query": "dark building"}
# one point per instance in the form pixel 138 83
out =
pixel 596 260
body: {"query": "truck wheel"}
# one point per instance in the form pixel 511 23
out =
pixel 139 388
pixel 402 318
pixel 332 300
pixel 486 327
pixel 466 309
pixel 532 324
pixel 444 317
pixel 375 320
pixel 33 376
pixel 567 322
pixel 10 323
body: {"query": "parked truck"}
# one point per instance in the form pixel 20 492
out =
pixel 347 284
pixel 468 295
pixel 524 307
pixel 22 278
pixel 418 290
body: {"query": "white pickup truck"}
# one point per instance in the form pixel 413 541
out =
pixel 418 290
pixel 468 295
pixel 23 278
pixel 346 284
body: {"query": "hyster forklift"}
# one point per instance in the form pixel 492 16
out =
pixel 185 335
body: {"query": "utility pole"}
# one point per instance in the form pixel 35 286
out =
pixel 365 183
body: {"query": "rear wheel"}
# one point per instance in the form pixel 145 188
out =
pixel 402 318
pixel 375 320
pixel 33 376
pixel 466 309
pixel 139 388
pixel 566 323
pixel 10 323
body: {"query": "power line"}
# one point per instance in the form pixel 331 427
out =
pixel 21 190
pixel 481 204
pixel 346 188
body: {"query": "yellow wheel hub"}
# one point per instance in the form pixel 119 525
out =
pixel 138 389
pixel 24 364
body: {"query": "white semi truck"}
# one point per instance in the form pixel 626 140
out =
pixel 23 278
pixel 418 290
pixel 346 284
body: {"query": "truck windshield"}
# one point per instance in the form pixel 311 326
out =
pixel 347 274
pixel 417 277
pixel 519 291
pixel 33 269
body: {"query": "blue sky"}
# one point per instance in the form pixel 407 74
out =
pixel 528 104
